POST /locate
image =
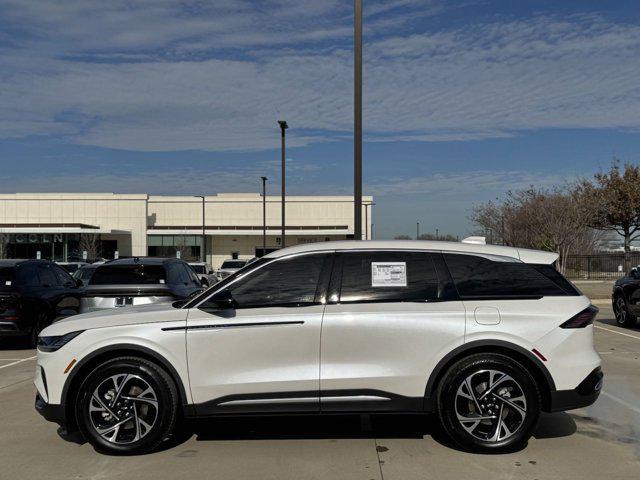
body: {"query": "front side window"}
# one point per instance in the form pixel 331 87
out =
pixel 47 276
pixel 286 282
pixel 478 277
pixel 388 277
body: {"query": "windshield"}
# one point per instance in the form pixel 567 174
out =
pixel 6 277
pixel 245 268
pixel 128 275
pixel 198 268
pixel 233 264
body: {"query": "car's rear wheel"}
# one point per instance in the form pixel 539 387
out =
pixel 127 405
pixel 488 403
pixel 621 312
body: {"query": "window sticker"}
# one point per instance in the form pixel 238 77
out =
pixel 388 274
pixel 8 282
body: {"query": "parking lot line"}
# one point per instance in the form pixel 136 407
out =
pixel 615 331
pixel 622 402
pixel 19 361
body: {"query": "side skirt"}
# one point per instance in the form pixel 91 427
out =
pixel 331 401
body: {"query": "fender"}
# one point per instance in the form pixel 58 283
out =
pixel 484 344
pixel 131 347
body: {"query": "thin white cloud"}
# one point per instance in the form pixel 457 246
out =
pixel 157 75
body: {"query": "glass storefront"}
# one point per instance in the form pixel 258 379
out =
pixel 167 246
pixel 59 247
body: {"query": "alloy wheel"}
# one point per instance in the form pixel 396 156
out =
pixel 621 311
pixel 123 408
pixel 490 405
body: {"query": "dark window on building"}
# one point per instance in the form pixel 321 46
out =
pixel 359 278
pixel 483 277
pixel 128 275
pixel 290 282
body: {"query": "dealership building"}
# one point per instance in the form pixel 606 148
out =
pixel 62 226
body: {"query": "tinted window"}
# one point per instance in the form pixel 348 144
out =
pixel 176 273
pixel 198 268
pixel 481 277
pixel 556 277
pixel 233 264
pixel 27 275
pixel 128 275
pixel 63 277
pixel 283 282
pixel 409 276
pixel 70 267
pixel 47 276
pixel 6 276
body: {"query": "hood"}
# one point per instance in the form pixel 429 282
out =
pixel 163 312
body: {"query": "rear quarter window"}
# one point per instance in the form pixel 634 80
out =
pixel 478 277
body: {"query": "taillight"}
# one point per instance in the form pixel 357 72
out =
pixel 582 319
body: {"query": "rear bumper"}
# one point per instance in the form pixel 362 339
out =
pixel 52 413
pixel 584 395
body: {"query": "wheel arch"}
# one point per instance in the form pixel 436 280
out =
pixel 101 355
pixel 533 364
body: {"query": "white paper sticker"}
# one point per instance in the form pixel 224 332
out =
pixel 388 274
pixel 162 280
pixel 8 282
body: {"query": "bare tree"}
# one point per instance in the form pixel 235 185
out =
pixel 613 200
pixel 402 237
pixel 555 220
pixel 185 251
pixel 441 238
pixel 90 243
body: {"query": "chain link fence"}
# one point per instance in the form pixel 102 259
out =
pixel 602 266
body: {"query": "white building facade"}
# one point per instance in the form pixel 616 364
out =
pixel 62 226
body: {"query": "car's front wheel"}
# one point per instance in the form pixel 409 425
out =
pixel 621 312
pixel 488 403
pixel 127 405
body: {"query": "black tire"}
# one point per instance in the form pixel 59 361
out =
pixel 132 436
pixel 41 322
pixel 454 399
pixel 621 312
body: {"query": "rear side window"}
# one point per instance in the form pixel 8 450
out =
pixel 128 275
pixel 27 275
pixel 478 277
pixel 388 277
pixel 48 277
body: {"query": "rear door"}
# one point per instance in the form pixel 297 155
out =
pixel 391 316
pixel 262 353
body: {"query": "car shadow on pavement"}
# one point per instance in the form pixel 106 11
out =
pixel 555 425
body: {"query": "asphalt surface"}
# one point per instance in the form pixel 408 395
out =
pixel 600 442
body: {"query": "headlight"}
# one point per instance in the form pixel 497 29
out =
pixel 51 344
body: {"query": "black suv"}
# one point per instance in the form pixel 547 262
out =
pixel 139 281
pixel 33 294
pixel 626 298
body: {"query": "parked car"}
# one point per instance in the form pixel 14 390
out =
pixel 72 267
pixel 85 273
pixel 626 298
pixel 33 294
pixel 138 281
pixel 229 267
pixel 484 336
pixel 205 273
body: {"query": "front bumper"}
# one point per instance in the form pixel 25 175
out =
pixel 52 413
pixel 584 394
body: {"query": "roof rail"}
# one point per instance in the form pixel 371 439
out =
pixel 475 240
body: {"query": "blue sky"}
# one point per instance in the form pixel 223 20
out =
pixel 463 99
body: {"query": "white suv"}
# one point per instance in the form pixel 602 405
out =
pixel 485 336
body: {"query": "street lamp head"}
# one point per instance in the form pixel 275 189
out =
pixel 264 179
pixel 283 124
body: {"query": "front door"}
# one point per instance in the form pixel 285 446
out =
pixel 254 344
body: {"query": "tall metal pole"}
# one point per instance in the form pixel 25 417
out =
pixel 203 249
pixel 264 216
pixel 417 230
pixel 283 128
pixel 357 130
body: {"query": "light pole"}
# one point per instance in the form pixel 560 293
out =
pixel 203 250
pixel 264 216
pixel 357 126
pixel 283 128
pixel 417 230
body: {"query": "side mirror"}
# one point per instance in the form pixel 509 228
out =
pixel 224 299
pixel 79 283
